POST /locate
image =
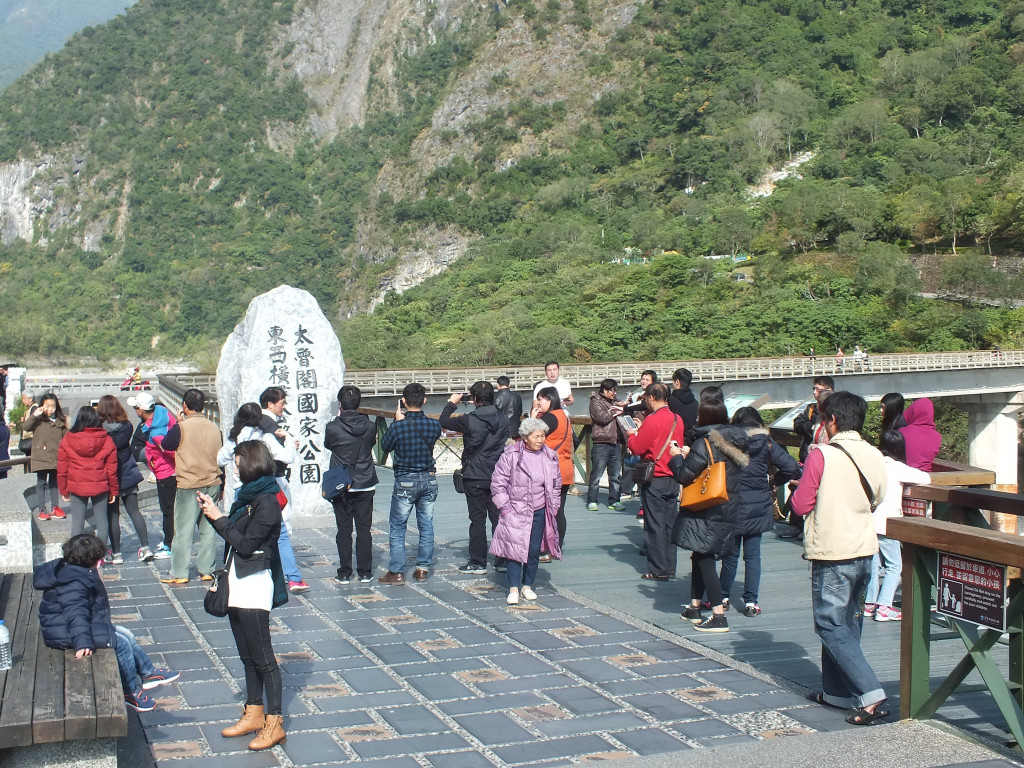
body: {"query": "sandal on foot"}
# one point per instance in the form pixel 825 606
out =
pixel 861 716
pixel 819 698
pixel 653 577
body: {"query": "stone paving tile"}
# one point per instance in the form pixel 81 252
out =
pixel 459 760
pixel 663 707
pixel 440 687
pixel 592 724
pixel 411 720
pixel 704 729
pixel 495 728
pixel 496 703
pixel 650 741
pixel 582 701
pixel 408 745
pixel 313 748
pixel 522 754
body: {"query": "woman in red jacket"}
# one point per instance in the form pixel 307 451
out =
pixel 87 471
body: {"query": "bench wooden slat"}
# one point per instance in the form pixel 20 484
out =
pixel 111 718
pixel 48 706
pixel 6 606
pixel 19 688
pixel 79 698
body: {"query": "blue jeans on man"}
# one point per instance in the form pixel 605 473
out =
pixel 837 597
pixel 413 490
pixel 605 457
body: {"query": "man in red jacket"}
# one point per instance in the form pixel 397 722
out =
pixel 660 498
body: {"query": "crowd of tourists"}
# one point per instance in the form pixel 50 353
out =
pixel 659 442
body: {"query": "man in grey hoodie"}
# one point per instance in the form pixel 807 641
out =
pixel 485 432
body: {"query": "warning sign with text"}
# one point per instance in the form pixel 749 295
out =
pixel 972 590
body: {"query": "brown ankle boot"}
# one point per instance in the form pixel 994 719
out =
pixel 252 722
pixel 272 733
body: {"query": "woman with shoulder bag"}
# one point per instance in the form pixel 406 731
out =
pixel 255 585
pixel 115 422
pixel 709 533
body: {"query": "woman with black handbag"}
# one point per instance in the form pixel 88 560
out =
pixel 710 532
pixel 256 584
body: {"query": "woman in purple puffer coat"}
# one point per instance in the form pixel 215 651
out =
pixel 526 488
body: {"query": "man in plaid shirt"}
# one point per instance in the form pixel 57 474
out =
pixel 412 436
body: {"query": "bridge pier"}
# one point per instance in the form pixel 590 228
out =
pixel 992 436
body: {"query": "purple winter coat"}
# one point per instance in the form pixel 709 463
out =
pixel 512 493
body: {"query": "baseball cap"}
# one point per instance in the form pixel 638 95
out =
pixel 144 401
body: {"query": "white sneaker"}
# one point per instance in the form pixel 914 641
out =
pixel 145 554
pixel 513 597
pixel 528 593
pixel 163 552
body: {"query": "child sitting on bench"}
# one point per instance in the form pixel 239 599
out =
pixel 74 614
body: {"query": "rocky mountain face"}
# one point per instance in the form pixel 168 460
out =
pixel 346 55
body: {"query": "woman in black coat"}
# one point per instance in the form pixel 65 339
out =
pixel 115 421
pixel 709 533
pixel 755 514
pixel 256 585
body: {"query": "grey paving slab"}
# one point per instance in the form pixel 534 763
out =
pixel 495 728
pixel 410 720
pixel 649 741
pixel 574 746
pixel 314 748
pixel 375 748
pixel 440 687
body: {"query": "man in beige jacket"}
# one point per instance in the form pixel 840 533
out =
pixel 841 484
pixel 196 441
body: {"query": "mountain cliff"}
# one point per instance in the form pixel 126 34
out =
pixel 554 170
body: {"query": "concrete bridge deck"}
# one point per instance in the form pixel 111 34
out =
pixel 444 674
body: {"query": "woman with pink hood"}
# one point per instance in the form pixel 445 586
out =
pixel 922 439
pixel 526 488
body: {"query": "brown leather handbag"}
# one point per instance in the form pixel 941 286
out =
pixel 707 489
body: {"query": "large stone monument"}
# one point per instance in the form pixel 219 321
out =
pixel 285 341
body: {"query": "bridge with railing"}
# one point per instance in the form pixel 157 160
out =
pixel 768 372
pixel 989 385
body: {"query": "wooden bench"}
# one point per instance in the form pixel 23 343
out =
pixel 49 695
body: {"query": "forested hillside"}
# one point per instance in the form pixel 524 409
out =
pixel 559 140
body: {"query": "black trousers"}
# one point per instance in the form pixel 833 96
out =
pixel 354 509
pixel 704 578
pixel 251 629
pixel 165 492
pixel 661 508
pixel 481 509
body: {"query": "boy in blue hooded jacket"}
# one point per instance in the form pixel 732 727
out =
pixel 74 614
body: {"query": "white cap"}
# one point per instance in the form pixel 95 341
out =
pixel 144 401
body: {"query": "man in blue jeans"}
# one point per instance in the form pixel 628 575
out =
pixel 411 438
pixel 841 484
pixel 606 450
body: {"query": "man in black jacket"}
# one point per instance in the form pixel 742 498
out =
pixel 350 439
pixel 485 432
pixel 508 402
pixel 682 402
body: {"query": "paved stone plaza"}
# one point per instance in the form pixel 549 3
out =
pixel 445 674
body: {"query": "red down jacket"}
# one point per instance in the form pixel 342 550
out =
pixel 87 464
